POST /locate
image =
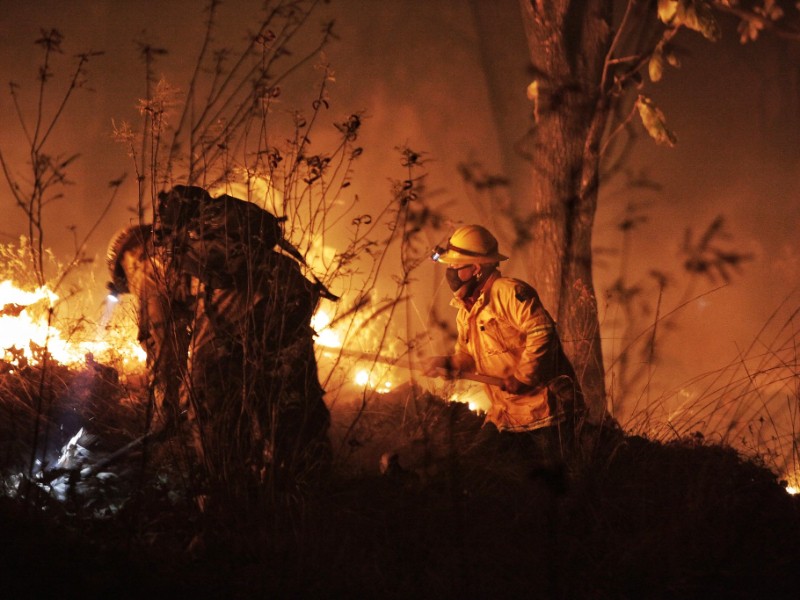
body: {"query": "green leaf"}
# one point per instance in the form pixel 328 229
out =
pixel 654 121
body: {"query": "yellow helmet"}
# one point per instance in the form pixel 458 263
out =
pixel 469 245
pixel 124 240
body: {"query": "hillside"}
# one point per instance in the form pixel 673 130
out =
pixel 630 518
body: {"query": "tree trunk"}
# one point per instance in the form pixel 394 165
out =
pixel 568 41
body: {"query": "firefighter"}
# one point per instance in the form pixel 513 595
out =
pixel 505 332
pixel 254 395
pixel 136 267
pixel 225 320
pixel 254 389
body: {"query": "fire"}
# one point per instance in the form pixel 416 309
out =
pixel 330 345
pixel 326 336
pixel 473 397
pixel 362 378
pixel 17 326
pixel 11 294
pixel 366 379
pixel 375 371
pixel 792 483
pixel 27 324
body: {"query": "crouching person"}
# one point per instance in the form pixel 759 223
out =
pixel 505 332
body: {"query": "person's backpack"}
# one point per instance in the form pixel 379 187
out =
pixel 218 239
pixel 224 241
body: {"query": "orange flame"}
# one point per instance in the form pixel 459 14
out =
pixel 358 369
pixel 26 322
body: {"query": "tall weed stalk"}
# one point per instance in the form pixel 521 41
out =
pixel 229 133
pixel 43 180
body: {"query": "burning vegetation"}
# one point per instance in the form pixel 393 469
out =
pixel 407 509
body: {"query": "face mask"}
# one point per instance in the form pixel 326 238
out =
pixel 453 279
pixel 462 289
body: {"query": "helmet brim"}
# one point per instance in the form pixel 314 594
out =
pixel 124 240
pixel 453 257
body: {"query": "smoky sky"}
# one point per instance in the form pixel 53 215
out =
pixel 415 70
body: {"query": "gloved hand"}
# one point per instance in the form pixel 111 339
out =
pixel 438 366
pixel 512 385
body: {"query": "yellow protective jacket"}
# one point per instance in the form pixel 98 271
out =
pixel 163 320
pixel 508 332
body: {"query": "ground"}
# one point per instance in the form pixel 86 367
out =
pixel 628 518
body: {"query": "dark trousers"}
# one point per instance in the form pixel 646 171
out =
pixel 542 449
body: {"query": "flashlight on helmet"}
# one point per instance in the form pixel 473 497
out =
pixel 114 291
pixel 437 252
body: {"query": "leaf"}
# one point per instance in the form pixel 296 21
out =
pixel 654 121
pixel 672 59
pixel 692 14
pixel 698 17
pixel 667 9
pixel 663 55
pixel 770 10
pixel 748 31
pixel 533 95
pixel 656 65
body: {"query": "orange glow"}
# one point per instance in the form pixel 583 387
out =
pixel 336 352
pixel 24 327
pixel 472 395
pixel 341 356
pixel 793 483
pixel 326 336
pixel 366 378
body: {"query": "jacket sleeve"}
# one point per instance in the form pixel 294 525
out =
pixel 462 359
pixel 525 312
pixel 162 327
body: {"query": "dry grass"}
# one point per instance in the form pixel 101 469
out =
pixel 635 518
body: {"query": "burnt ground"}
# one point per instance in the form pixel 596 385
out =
pixel 629 518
